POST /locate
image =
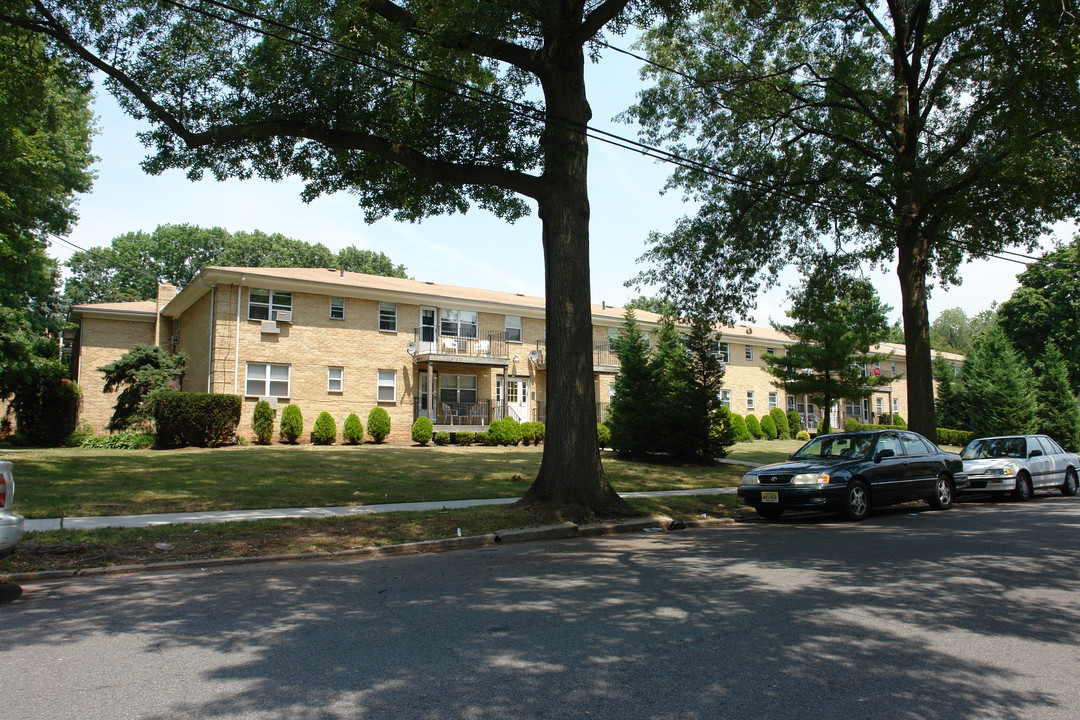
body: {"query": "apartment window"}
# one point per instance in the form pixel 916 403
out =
pixel 612 339
pixel 749 353
pixel 896 406
pixel 458 323
pixel 770 351
pixel 335 379
pixel 457 388
pixel 725 398
pixel 513 328
pixel 853 408
pixel 387 389
pixel 878 405
pixel 267 380
pixel 892 368
pixel 722 353
pixel 774 399
pixel 262 303
pixel 877 369
pixel 749 399
pixel 791 403
pixel 337 308
pixel 388 316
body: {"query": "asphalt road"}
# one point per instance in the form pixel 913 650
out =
pixel 971 613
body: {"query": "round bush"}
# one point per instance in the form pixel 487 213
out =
pixel 753 425
pixel 779 417
pixel 353 430
pixel 487 439
pixel 378 424
pixel 851 424
pixel 506 431
pixel 794 422
pixel 465 437
pixel 325 430
pixel 292 423
pixel 739 431
pixel 442 438
pixel 603 435
pixel 422 430
pixel 802 435
pixel 532 433
pixel 262 422
pixel 768 427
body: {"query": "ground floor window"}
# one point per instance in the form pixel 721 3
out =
pixel 896 405
pixel 335 379
pixel 878 404
pixel 457 388
pixel 725 398
pixel 749 398
pixel 387 389
pixel 774 399
pixel 267 380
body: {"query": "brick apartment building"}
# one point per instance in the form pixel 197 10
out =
pixel 345 342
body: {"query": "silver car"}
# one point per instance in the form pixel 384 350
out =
pixel 11 525
pixel 1019 464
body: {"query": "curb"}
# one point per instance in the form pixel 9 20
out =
pixel 546 532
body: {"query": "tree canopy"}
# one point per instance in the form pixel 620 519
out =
pixel 837 319
pixel 417 107
pixel 134 264
pixel 1044 308
pixel 921 131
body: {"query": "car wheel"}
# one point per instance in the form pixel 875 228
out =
pixel 769 513
pixel 857 501
pixel 1023 489
pixel 942 499
pixel 1068 488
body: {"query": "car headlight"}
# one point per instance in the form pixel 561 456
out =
pixel 750 479
pixel 810 479
pixel 1009 469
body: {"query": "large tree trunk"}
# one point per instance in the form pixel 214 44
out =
pixel 913 264
pixel 570 474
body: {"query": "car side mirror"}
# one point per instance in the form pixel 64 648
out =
pixel 882 454
pixel 1035 453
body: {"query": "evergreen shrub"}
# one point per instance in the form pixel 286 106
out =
pixel 739 431
pixel 353 430
pixel 200 419
pixel 121 441
pixel 768 427
pixel 378 424
pixel 465 437
pixel 532 433
pixel 753 426
pixel 954 437
pixel 422 430
pixel 442 438
pixel 506 431
pixel 802 435
pixel 794 422
pixel 292 423
pixel 851 424
pixel 262 422
pixel 325 430
pixel 603 435
pixel 780 420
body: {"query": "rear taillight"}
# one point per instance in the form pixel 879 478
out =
pixel 3 490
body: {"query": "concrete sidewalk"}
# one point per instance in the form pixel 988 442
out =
pixel 135 521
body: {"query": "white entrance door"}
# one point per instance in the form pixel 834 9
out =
pixel 427 330
pixel 517 398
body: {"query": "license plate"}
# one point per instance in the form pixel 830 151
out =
pixel 770 497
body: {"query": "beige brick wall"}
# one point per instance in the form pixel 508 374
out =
pixel 100 343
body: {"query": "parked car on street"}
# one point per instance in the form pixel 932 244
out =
pixel 1019 464
pixel 11 525
pixel 854 472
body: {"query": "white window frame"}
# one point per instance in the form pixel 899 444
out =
pixel 513 327
pixel 770 351
pixel 749 352
pixel 264 372
pixel 387 317
pixel 275 300
pixel 879 406
pixel 774 400
pixel 749 398
pixel 337 308
pixel 892 367
pixel 853 407
pixel 896 406
pixel 335 376
pixel 454 323
pixel 386 379
pixel 723 352
pixel 725 398
pixel 448 383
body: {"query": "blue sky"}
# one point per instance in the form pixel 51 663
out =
pixel 475 249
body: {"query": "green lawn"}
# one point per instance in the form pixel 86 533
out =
pixel 764 451
pixel 64 482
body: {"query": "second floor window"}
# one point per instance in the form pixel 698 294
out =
pixel 774 398
pixel 725 398
pixel 337 308
pixel 263 303
pixel 513 328
pixel 458 323
pixel 749 398
pixel 722 353
pixel 388 317
pixel 749 353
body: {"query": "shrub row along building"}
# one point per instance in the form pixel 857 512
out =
pixel 346 342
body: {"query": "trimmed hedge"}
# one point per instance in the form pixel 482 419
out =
pixel 442 438
pixel 353 430
pixel 802 435
pixel 262 422
pixel 422 430
pixel 505 432
pixel 378 424
pixel 603 435
pixel 780 420
pixel 794 422
pixel 325 430
pixel 768 427
pixel 292 423
pixel 954 437
pixel 465 437
pixel 532 433
pixel 753 425
pixel 739 431
pixel 120 441
pixel 200 419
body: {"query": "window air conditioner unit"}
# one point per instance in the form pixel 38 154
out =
pixel 271 400
pixel 269 326
pixel 284 316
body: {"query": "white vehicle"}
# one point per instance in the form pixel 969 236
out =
pixel 11 525
pixel 1019 464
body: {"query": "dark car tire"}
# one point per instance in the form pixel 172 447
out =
pixel 1068 488
pixel 769 513
pixel 1023 490
pixel 943 496
pixel 857 501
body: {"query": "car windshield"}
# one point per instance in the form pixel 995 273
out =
pixel 1010 447
pixel 835 447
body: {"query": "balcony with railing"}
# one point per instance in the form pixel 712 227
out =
pixel 488 348
pixel 604 356
pixel 463 415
